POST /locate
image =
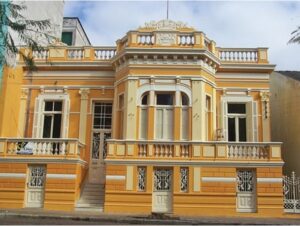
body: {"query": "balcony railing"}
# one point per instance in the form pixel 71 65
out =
pixel 56 147
pixel 238 55
pixel 218 150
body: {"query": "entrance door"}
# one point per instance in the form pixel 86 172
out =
pixel 162 191
pixel 246 191
pixel 98 154
pixel 36 186
pixel 102 118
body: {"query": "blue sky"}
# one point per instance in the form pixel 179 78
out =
pixel 228 23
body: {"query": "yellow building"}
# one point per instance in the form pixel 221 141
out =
pixel 165 121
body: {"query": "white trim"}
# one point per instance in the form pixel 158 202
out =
pixel 269 180
pixel 115 177
pixel 244 164
pixel 218 179
pixel 61 176
pixel 44 160
pixel 12 175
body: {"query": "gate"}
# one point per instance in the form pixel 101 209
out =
pixel 291 190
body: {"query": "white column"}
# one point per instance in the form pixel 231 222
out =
pixel 83 113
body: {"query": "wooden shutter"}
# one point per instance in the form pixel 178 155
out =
pixel 66 115
pixel 224 119
pixel 255 122
pixel 249 121
pixel 37 128
pixel 159 124
pixel 184 123
pixel 143 123
pixel 168 124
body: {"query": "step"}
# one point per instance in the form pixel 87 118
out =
pixel 88 205
pixel 91 198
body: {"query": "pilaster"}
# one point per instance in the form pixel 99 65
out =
pixel 265 106
pixel 83 113
pixel 22 113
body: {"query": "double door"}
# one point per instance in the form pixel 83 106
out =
pixel 98 154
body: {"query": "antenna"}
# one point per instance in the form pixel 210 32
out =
pixel 167 9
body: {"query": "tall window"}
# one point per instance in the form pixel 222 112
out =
pixel 208 117
pixel 236 113
pixel 164 116
pixel 121 114
pixel 144 116
pixel 52 121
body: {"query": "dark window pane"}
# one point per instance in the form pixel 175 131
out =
pixel 242 129
pixel 231 129
pixel 108 123
pixel 48 106
pixel 184 100
pixel 108 109
pixel 164 99
pixel 145 100
pixel 67 38
pixel 237 108
pixel 56 126
pixel 58 106
pixel 47 126
pixel 97 109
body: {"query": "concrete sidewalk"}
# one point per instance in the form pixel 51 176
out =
pixel 94 217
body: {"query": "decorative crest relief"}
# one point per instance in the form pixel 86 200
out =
pixel 165 25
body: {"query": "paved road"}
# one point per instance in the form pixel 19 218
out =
pixel 21 220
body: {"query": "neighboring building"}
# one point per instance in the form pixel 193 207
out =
pixel 73 33
pixel 165 122
pixel 43 10
pixel 285 108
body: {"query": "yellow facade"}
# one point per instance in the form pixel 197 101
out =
pixel 166 121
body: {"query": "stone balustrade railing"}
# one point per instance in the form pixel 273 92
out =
pixel 40 147
pixel 104 53
pixel 218 150
pixel 41 55
pixel 75 54
pixel 186 40
pixel 70 53
pixel 239 55
pixel 145 39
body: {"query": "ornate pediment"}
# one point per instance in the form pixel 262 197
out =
pixel 165 25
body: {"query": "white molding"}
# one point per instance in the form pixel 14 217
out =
pixel 62 160
pixel 269 180
pixel 61 176
pixel 244 164
pixel 218 179
pixel 12 175
pixel 115 177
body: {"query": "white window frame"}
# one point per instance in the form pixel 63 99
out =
pixel 38 119
pixel 251 116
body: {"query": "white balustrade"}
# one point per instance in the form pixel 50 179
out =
pixel 76 54
pixel 186 40
pixel 40 55
pixel 142 150
pixel 27 146
pixel 104 53
pixel 248 151
pixel 163 150
pixel 145 39
pixel 239 55
pixel 184 150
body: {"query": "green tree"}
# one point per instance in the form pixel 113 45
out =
pixel 295 36
pixel 13 22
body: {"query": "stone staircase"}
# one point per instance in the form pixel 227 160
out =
pixel 92 198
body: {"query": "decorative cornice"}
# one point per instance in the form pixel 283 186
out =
pixel 165 25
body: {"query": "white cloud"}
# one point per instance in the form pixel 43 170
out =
pixel 230 24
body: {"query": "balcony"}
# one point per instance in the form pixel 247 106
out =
pixel 189 150
pixel 44 147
